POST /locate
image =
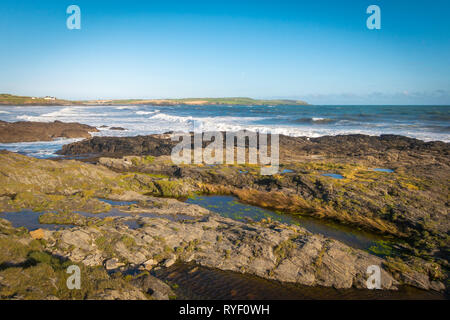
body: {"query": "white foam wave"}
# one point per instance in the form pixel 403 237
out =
pixel 125 107
pixel 146 112
pixel 183 119
pixel 147 120
pixel 38 149
pixel 52 116
pixel 68 114
pixel 170 118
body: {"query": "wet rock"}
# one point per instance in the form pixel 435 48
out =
pixel 416 279
pixel 437 286
pixel 154 287
pixel 24 131
pixel 387 148
pixel 140 145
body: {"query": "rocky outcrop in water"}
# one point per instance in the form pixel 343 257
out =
pixel 24 131
pixel 120 146
pixel 384 148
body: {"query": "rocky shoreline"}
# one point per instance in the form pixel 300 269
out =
pixel 411 198
pixel 411 204
pixel 24 131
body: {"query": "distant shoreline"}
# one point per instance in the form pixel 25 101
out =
pixel 12 100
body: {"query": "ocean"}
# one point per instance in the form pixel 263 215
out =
pixel 426 123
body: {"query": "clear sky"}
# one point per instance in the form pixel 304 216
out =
pixel 320 51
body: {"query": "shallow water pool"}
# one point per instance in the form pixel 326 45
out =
pixel 383 170
pixel 118 202
pixel 198 282
pixel 30 220
pixel 333 175
pixel 230 207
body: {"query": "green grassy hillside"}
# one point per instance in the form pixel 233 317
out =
pixel 9 99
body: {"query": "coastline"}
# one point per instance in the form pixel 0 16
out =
pixel 11 100
pixel 146 182
pixel 229 156
pixel 197 236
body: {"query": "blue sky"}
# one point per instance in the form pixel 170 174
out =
pixel 319 51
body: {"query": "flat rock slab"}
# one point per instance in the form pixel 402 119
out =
pixel 272 251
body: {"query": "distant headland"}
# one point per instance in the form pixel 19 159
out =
pixel 9 99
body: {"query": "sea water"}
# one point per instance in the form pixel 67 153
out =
pixel 422 122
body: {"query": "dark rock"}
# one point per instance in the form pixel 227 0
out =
pixel 153 286
pixel 24 131
pixel 120 146
pixel 386 148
